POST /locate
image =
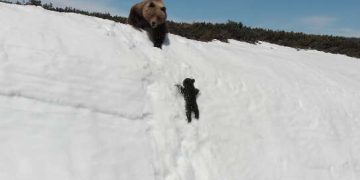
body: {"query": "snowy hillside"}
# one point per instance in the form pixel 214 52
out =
pixel 87 99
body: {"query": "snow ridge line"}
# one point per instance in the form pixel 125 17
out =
pixel 18 94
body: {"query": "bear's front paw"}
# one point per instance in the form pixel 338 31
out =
pixel 158 45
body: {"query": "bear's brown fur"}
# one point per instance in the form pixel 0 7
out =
pixel 150 15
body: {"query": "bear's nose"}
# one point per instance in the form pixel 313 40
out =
pixel 153 24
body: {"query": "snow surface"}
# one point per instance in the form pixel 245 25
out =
pixel 88 99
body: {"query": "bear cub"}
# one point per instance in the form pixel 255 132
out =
pixel 150 15
pixel 190 94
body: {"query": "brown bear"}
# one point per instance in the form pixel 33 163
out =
pixel 150 15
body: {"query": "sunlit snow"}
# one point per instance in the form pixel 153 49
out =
pixel 83 98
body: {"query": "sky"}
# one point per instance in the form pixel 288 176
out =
pixel 333 17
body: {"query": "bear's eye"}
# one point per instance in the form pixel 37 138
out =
pixel 163 9
pixel 151 5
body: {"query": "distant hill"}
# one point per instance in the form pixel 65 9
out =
pixel 204 31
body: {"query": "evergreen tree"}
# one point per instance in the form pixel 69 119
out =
pixel 35 2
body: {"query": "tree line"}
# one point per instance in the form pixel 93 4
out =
pixel 205 31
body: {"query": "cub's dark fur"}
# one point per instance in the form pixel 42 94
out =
pixel 190 94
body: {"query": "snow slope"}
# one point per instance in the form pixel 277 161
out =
pixel 88 99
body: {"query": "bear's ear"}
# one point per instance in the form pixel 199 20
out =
pixel 163 9
pixel 151 4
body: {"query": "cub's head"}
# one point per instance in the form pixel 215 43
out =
pixel 188 83
pixel 154 12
